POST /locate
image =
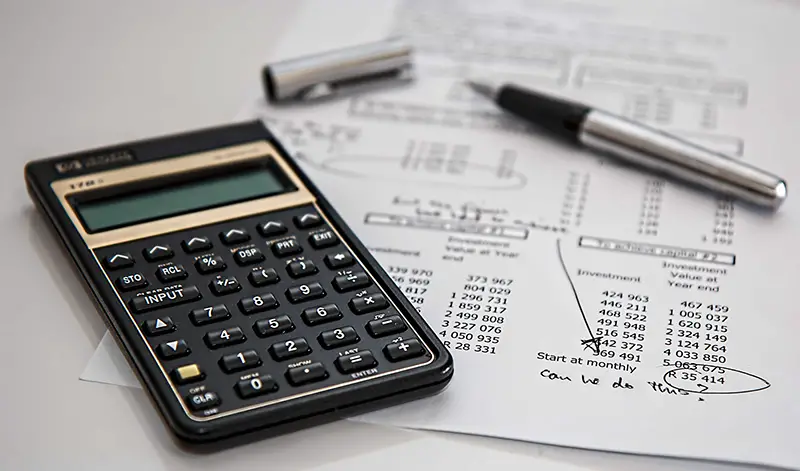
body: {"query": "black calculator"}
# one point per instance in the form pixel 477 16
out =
pixel 240 297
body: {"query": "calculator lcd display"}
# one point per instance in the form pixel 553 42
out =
pixel 173 199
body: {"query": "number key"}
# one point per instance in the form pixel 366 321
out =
pixel 209 314
pixel 273 326
pixel 321 314
pixel 300 293
pixel 224 337
pixel 258 303
pixel 338 337
pixel 240 361
pixel 289 349
pixel 257 386
pixel 210 264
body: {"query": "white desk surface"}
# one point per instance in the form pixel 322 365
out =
pixel 80 74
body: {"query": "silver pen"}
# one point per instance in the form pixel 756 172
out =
pixel 640 145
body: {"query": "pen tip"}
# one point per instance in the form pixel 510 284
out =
pixel 483 88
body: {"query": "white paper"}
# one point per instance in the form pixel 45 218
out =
pixel 555 259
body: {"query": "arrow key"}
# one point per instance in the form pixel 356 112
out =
pixel 234 236
pixel 196 244
pixel 173 349
pixel 157 252
pixel 307 221
pixel 272 228
pixel 159 326
pixel 118 260
pixel 338 260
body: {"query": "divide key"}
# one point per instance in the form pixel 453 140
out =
pixel 160 299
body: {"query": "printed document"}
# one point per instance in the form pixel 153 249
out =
pixel 587 304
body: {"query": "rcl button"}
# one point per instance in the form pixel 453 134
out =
pixel 198 402
pixel 171 273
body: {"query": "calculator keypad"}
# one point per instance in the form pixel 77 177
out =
pixel 259 309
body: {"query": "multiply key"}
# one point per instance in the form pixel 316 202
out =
pixel 168 297
pixel 368 303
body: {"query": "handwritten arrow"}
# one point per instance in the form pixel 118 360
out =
pixel 592 342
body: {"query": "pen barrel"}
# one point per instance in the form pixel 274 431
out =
pixel 663 153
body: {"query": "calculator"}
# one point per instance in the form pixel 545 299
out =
pixel 240 297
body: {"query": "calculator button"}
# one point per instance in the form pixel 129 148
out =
pixel 321 314
pixel 289 349
pixel 210 264
pixel 339 260
pixel 300 293
pixel 386 326
pixel 257 386
pixel 338 337
pixel 263 276
pixel 368 303
pixel 286 247
pixel 356 362
pixel 161 299
pixel 118 260
pixel 258 303
pixel 403 350
pixel 187 374
pixel 351 281
pixel 210 314
pixel 300 268
pixel 300 375
pixel 174 349
pixel 248 256
pixel 157 252
pixel 273 326
pixel 224 337
pixel 223 285
pixel 203 400
pixel 307 221
pixel 196 244
pixel 131 281
pixel 240 361
pixel 271 228
pixel 171 273
pixel 159 326
pixel 234 236
pixel 324 239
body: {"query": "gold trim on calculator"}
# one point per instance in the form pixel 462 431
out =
pixel 202 161
pixel 205 160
